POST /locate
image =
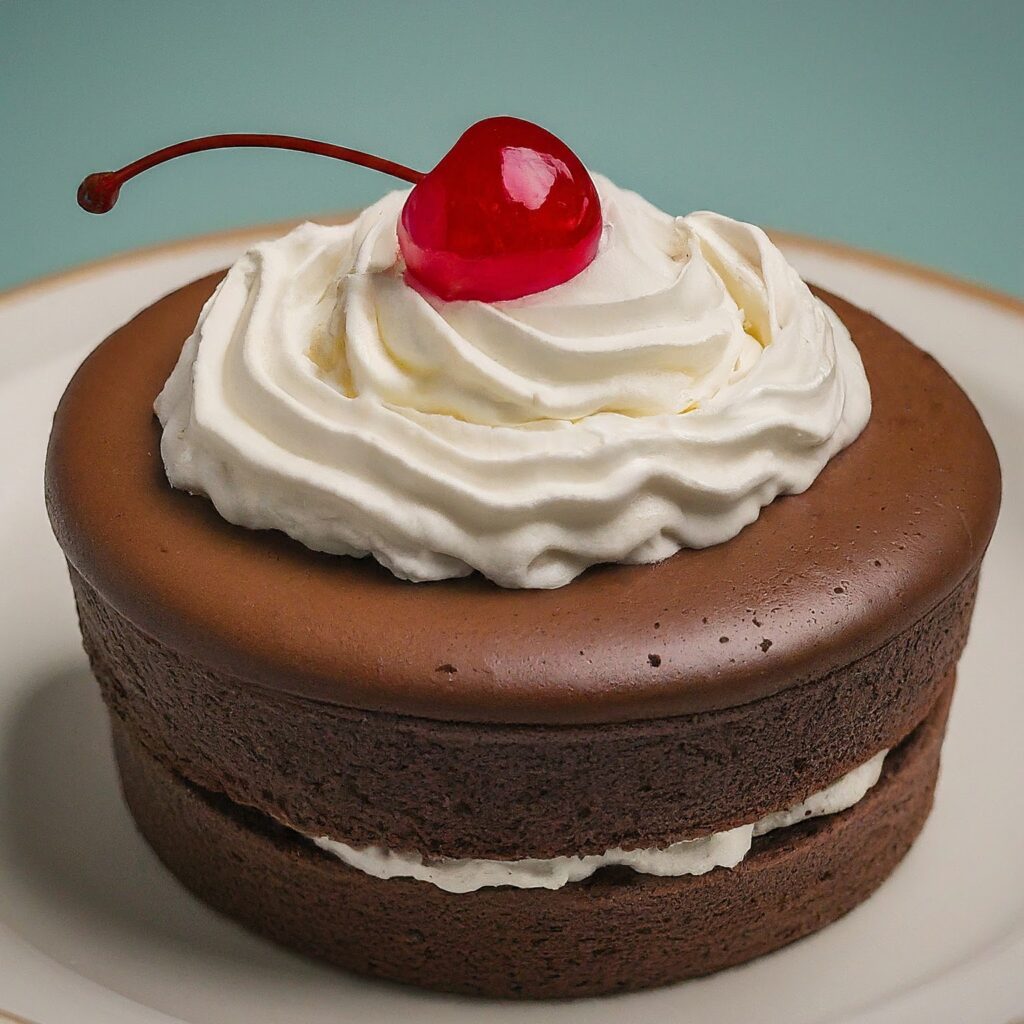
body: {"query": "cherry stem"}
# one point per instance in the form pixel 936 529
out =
pixel 98 192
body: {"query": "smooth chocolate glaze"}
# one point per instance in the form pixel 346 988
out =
pixel 892 527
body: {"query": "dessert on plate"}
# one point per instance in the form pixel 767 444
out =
pixel 520 590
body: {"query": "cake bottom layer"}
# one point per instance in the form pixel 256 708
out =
pixel 613 932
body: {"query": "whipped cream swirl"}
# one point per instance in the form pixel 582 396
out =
pixel 658 400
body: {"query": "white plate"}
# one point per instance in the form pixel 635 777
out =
pixel 92 929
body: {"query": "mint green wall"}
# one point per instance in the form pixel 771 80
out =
pixel 897 126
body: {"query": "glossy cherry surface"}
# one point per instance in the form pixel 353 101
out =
pixel 510 210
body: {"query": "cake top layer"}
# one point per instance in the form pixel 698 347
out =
pixel 890 527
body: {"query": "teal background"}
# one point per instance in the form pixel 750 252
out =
pixel 896 126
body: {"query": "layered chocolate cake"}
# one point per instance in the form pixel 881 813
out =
pixel 647 669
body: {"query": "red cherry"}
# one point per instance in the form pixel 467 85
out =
pixel 510 210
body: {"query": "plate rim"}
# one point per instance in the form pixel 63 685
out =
pixel 255 232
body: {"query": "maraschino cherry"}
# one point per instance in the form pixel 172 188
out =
pixel 510 210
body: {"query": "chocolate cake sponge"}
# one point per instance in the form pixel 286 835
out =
pixel 262 692
pixel 615 932
pixel 500 791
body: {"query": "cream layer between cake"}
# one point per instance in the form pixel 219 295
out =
pixel 690 857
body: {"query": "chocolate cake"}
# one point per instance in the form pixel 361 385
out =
pixel 519 590
pixel 616 931
pixel 279 710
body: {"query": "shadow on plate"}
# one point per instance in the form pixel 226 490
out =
pixel 81 885
pixel 89 885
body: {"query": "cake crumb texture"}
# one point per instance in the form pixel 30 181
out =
pixel 616 932
pixel 499 791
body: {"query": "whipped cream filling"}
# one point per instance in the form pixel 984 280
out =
pixel 690 857
pixel 658 400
